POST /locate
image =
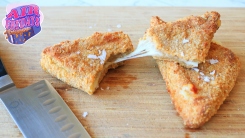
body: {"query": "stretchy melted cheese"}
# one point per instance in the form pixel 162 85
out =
pixel 147 48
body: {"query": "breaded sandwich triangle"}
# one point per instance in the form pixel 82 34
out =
pixel 186 40
pixel 83 63
pixel 197 93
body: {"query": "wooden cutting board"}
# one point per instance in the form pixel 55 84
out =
pixel 132 100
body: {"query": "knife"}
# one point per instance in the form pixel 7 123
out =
pixel 38 110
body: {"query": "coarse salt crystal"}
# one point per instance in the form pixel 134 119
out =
pixel 196 69
pixel 185 41
pixel 92 56
pixel 182 54
pixel 102 57
pixel 85 114
pixel 90 27
pixel 213 61
pixel 212 73
pixel 78 52
pixel 119 26
pixel 201 73
pixel 206 78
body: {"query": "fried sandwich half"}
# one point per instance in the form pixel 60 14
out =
pixel 186 40
pixel 198 93
pixel 84 62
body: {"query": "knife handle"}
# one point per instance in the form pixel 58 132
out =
pixel 2 69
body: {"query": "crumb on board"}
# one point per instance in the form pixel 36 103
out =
pixel 109 29
pixel 119 26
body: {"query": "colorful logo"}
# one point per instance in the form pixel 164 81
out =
pixel 22 22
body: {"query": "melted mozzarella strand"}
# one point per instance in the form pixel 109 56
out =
pixel 147 48
pixel 144 48
pixel 191 63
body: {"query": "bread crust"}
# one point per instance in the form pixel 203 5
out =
pixel 195 99
pixel 69 62
pixel 188 38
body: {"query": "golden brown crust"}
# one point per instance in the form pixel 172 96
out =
pixel 188 38
pixel 197 95
pixel 69 62
pixel 155 20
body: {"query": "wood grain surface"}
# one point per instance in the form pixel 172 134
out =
pixel 132 100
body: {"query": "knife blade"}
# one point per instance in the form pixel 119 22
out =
pixel 38 110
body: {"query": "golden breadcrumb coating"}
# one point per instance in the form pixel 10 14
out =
pixel 198 93
pixel 187 39
pixel 84 62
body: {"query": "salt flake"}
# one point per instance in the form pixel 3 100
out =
pixel 85 114
pixel 78 52
pixel 102 57
pixel 196 69
pixel 92 56
pixel 185 41
pixel 201 73
pixel 212 73
pixel 182 54
pixel 206 78
pixel 213 61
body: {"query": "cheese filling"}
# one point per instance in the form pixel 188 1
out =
pixel 144 48
pixel 147 48
pixel 190 63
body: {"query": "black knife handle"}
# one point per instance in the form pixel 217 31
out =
pixel 2 69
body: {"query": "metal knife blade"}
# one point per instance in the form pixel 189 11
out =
pixel 39 111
